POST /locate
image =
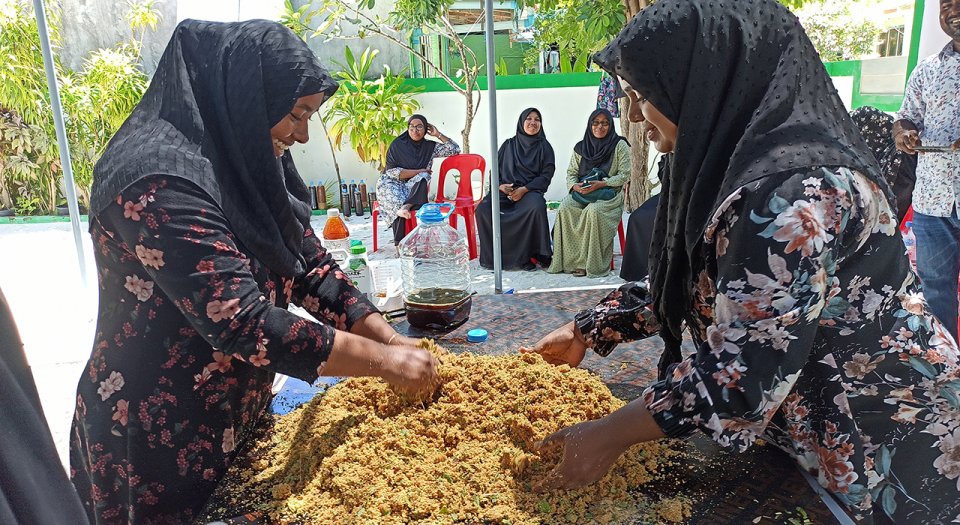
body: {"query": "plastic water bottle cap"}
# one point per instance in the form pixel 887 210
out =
pixel 358 250
pixel 432 213
pixel 355 242
pixel 477 335
pixel 333 212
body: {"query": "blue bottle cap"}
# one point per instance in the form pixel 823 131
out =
pixel 477 335
pixel 432 213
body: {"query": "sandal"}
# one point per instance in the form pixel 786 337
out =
pixel 579 272
pixel 528 266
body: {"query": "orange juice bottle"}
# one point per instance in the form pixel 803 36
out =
pixel 336 236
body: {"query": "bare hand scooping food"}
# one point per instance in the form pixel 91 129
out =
pixel 410 369
pixel 565 345
pixel 587 456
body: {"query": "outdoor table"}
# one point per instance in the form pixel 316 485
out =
pixel 762 485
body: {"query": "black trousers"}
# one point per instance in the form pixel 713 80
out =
pixel 417 198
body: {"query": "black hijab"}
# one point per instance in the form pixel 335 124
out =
pixel 406 153
pixel 899 168
pixel 206 117
pixel 523 157
pixel 594 152
pixel 751 100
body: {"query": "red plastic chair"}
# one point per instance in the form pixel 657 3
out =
pixel 907 217
pixel 623 242
pixel 375 214
pixel 466 202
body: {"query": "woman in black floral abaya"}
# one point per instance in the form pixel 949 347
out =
pixel 202 237
pixel 776 247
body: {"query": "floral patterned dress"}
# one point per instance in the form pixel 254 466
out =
pixel 393 192
pixel 190 332
pixel 813 332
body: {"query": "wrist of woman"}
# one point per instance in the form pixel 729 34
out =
pixel 375 327
pixel 355 356
pixel 629 425
pixel 577 334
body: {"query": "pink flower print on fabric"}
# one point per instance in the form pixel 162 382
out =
pixel 131 210
pixel 228 441
pixel 139 287
pixel 121 411
pixel 150 257
pixel 221 362
pixel 220 310
pixel 110 385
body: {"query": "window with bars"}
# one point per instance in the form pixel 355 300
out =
pixel 891 42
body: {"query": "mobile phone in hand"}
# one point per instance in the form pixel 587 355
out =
pixel 935 149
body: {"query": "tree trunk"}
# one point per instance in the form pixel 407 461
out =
pixel 468 123
pixel 333 153
pixel 637 189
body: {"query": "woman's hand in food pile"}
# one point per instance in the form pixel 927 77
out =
pixel 403 365
pixel 410 369
pixel 592 447
pixel 587 456
pixel 565 345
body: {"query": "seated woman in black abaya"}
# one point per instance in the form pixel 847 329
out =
pixel 402 187
pixel 526 167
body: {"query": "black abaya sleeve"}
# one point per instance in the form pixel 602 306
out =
pixel 542 181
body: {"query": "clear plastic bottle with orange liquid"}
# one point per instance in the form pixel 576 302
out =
pixel 336 236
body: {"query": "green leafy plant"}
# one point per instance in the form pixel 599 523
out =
pixel 836 32
pixel 368 113
pixel 501 67
pixel 578 30
pixel 28 161
pixel 96 100
pixel 427 16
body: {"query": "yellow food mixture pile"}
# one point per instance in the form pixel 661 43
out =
pixel 362 453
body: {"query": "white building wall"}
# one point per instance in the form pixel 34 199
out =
pixel 87 25
pixel 565 112
pixel 844 87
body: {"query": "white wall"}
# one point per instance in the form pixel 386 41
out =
pixel 88 25
pixel 565 112
pixel 229 10
pixel 844 87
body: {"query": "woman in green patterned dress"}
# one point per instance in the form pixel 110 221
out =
pixel 583 234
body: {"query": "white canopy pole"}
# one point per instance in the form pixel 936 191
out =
pixel 61 136
pixel 494 143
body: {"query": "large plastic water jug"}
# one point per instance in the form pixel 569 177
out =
pixel 435 268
